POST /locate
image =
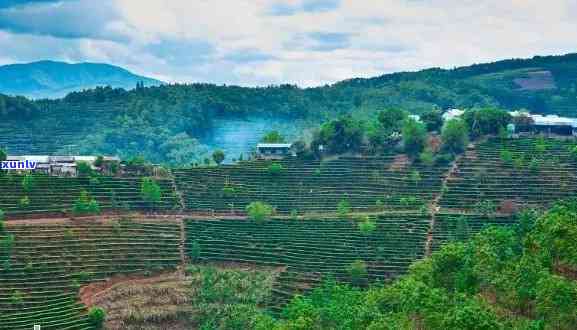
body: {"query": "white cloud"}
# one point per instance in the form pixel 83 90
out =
pixel 310 43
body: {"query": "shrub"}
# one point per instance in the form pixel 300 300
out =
pixel 27 182
pixel 96 316
pixel 195 251
pixel 506 157
pixel 259 211
pixel 486 207
pixel 228 192
pixel 24 202
pixel 17 297
pixel 415 177
pixel 344 208
pixel 534 166
pixel 85 205
pixel 367 226
pixel 427 158
pixel 357 270
pixel 150 191
pixel 275 169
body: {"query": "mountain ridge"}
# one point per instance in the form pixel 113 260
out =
pixel 55 79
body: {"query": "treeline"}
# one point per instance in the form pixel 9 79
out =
pixel 151 121
pixel 520 277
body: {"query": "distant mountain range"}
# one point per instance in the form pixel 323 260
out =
pixel 51 79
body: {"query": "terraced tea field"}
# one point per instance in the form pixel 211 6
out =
pixel 44 267
pixel 58 194
pixel 369 184
pixel 524 172
pixel 44 263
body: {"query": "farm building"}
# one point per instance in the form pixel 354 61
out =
pixel 549 124
pixel 273 150
pixel 59 165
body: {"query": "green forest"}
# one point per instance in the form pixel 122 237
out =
pixel 165 123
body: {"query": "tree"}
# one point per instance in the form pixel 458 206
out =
pixel 455 136
pixel 339 136
pixel 391 119
pixel 83 168
pixel 486 120
pixel 150 191
pixel 414 137
pixel 96 316
pixel 259 212
pixel 433 120
pixel 273 137
pixel 218 156
pixel 557 301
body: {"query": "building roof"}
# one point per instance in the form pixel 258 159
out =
pixel 548 120
pixel 452 113
pixel 274 145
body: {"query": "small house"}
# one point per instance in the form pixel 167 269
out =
pixel 549 124
pixel 274 150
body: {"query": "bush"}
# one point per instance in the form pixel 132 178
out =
pixel 344 208
pixel 273 137
pixel 150 191
pixel 85 205
pixel 96 316
pixel 275 169
pixel 357 270
pixel 259 211
pixel 228 192
pixel 367 226
pixel 506 157
pixel 427 158
pixel 27 182
pixel 24 202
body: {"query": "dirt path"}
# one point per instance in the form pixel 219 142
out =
pixel 434 207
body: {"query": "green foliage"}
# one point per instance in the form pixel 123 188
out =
pixel 455 136
pixel 228 192
pixel 85 205
pixel 414 137
pixel 24 202
pixel 339 136
pixel 391 120
pixel 556 299
pixel 259 212
pixel 415 177
pixel 275 169
pixel 28 182
pixel 273 137
pixel 218 156
pixel 83 169
pixel 96 316
pixel 506 157
pixel 427 158
pixel 344 208
pixel 485 121
pixel 486 207
pixel 150 191
pixel 367 226
pixel 433 120
pixel 2 218
pixel 357 270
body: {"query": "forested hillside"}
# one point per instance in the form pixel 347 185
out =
pixel 165 123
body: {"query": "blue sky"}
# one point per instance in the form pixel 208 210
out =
pixel 262 42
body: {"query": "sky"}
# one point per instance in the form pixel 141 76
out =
pixel 266 42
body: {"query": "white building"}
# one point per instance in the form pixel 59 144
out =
pixel 452 114
pixel 273 150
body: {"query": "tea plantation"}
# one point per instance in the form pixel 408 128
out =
pixel 399 213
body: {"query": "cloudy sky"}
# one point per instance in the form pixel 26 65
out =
pixel 261 42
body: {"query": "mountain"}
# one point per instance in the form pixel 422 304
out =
pixel 181 123
pixel 50 79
